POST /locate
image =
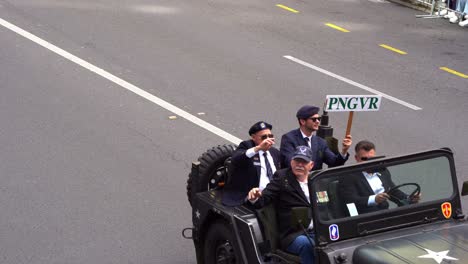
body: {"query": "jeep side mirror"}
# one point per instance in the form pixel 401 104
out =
pixel 464 191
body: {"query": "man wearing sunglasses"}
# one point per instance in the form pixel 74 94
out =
pixel 253 164
pixel 309 121
pixel 368 190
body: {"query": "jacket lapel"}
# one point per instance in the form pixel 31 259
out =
pixel 366 183
pixel 276 158
pixel 299 139
pixel 383 178
pixel 314 146
pixel 302 142
pixel 256 159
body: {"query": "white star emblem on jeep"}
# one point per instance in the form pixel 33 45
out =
pixel 437 256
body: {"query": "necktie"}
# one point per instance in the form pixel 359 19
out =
pixel 308 142
pixel 269 171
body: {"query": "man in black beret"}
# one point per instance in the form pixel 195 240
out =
pixel 253 164
pixel 309 121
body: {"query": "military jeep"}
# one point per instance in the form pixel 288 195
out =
pixel 433 230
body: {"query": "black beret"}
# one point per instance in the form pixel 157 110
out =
pixel 259 126
pixel 307 111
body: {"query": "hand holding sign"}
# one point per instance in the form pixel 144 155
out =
pixel 346 144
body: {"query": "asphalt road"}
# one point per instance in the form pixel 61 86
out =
pixel 94 173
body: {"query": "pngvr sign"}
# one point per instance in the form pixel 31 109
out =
pixel 341 103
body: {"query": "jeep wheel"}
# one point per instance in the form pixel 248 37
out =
pixel 218 245
pixel 212 171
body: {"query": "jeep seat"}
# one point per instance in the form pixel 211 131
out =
pixel 268 222
pixel 336 204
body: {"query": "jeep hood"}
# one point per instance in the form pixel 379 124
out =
pixel 440 246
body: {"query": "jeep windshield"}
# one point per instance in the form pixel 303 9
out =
pixel 421 187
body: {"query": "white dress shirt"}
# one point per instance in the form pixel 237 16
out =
pixel 310 138
pixel 376 184
pixel 305 189
pixel 263 172
pixel 310 142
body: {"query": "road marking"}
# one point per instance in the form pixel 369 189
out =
pixel 454 72
pixel 337 27
pixel 287 8
pixel 166 105
pixel 358 85
pixel 393 49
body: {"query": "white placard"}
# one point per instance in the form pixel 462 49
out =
pixel 352 209
pixel 342 103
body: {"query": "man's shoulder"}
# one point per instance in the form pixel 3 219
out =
pixel 320 140
pixel 274 150
pixel 283 172
pixel 293 132
pixel 353 177
pixel 384 173
pixel 291 135
pixel 246 144
pixel 284 175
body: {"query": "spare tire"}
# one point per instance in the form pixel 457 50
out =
pixel 212 171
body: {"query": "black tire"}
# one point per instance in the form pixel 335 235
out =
pixel 219 247
pixel 212 170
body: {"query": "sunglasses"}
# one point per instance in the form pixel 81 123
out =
pixel 315 119
pixel 263 137
pixel 364 158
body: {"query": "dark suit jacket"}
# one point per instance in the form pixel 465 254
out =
pixel 285 192
pixel 245 173
pixel 321 152
pixel 355 188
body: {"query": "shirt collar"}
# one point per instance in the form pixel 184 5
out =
pixel 370 175
pixel 304 135
pixel 302 183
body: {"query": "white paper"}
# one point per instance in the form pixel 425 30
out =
pixel 352 209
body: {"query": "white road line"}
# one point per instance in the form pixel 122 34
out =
pixel 341 78
pixel 170 107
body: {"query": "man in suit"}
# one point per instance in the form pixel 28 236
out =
pixel 253 164
pixel 288 190
pixel 309 121
pixel 368 190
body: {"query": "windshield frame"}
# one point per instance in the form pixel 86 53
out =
pixel 350 227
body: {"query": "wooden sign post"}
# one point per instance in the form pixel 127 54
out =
pixel 350 123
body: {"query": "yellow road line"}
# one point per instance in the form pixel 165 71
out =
pixel 337 27
pixel 393 49
pixel 454 72
pixel 287 8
